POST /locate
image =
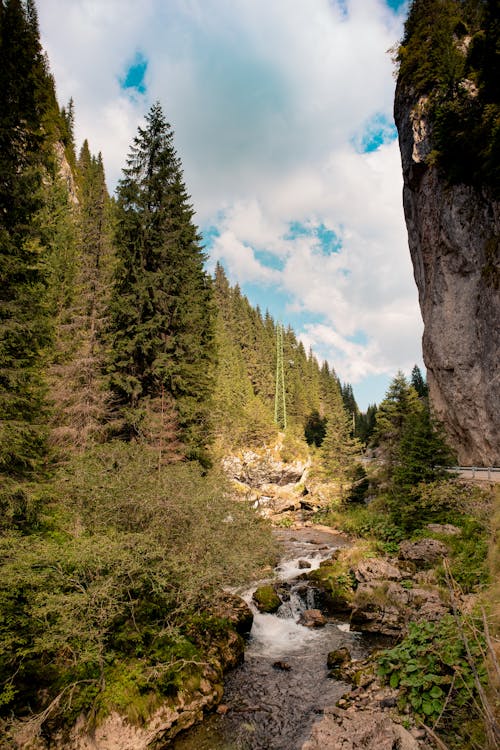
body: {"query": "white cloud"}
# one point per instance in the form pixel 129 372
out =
pixel 269 101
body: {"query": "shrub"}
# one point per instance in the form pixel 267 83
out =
pixel 433 672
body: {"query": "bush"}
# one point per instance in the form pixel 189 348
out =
pixel 133 556
pixel 432 670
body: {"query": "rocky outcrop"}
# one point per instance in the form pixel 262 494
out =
pixel 256 470
pixel 65 173
pixel 353 729
pixel 424 553
pixel 386 607
pixel 173 714
pixel 454 240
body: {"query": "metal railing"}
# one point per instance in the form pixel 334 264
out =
pixel 488 473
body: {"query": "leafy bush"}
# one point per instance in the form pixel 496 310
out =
pixel 432 670
pixel 133 557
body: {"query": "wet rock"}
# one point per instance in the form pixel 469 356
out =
pixel 237 611
pixel 338 657
pixel 423 553
pixel 337 661
pixel 312 618
pixel 283 665
pixel 266 599
pixel 303 564
pixel 375 568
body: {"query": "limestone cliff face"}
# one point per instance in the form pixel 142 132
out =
pixel 65 173
pixel 454 239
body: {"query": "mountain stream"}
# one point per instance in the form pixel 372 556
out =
pixel 273 699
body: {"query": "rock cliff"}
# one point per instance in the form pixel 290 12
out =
pixel 454 240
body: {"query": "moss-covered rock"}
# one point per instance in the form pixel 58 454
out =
pixel 266 599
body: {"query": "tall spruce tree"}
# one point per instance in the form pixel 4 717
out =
pixel 401 402
pixel 339 448
pixel 27 112
pixel 161 333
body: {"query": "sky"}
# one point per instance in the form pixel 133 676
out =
pixel 282 113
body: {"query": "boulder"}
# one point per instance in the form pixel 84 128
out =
pixel 303 564
pixel 374 568
pixel 359 730
pixel 236 610
pixel 338 657
pixel 266 599
pixel 424 553
pixel 255 470
pixel 312 618
pixel 386 608
pixel 337 661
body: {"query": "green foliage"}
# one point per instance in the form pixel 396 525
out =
pixel 418 382
pixel 433 671
pixel 360 485
pixel 28 102
pixel 161 326
pixel 469 555
pixel 400 403
pixel 243 403
pixel 339 448
pixel 365 423
pixel 315 428
pixel 422 453
pixel 114 585
pixel 370 522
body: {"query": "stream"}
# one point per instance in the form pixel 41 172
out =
pixel 270 708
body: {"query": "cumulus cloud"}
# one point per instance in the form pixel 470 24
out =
pixel 283 117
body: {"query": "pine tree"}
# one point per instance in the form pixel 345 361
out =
pixel 28 107
pixel 339 449
pixel 418 382
pixel 161 332
pixel 422 452
pixel 77 381
pixel 400 403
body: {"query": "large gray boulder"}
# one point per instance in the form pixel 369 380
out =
pixel 359 730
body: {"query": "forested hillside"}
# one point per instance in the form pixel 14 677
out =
pixel 126 371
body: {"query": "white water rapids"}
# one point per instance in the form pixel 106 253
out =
pixel 271 708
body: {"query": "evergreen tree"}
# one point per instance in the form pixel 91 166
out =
pixel 418 382
pixel 161 333
pixel 315 428
pixel 365 423
pixel 339 449
pixel 82 291
pixel 28 108
pixel 422 452
pixel 400 403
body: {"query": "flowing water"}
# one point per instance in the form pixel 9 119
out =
pixel 272 708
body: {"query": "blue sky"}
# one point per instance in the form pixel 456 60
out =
pixel 282 112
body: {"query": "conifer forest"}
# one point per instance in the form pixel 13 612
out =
pixel 140 396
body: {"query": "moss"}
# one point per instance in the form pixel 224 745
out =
pixel 266 599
